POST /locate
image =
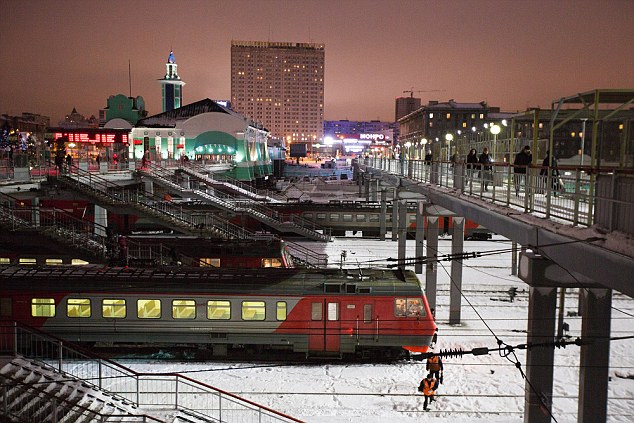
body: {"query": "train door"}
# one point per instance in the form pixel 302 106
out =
pixel 325 326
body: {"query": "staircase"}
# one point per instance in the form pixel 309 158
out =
pixel 283 223
pixel 147 204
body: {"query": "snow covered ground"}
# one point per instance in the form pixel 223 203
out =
pixel 483 388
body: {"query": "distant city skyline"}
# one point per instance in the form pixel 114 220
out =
pixel 514 55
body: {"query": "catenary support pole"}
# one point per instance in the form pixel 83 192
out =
pixel 514 258
pixel 395 214
pixel 595 357
pixel 431 268
pixel 402 233
pixel 455 288
pixel 420 237
pixel 383 218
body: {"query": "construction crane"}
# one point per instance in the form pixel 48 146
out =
pixel 411 92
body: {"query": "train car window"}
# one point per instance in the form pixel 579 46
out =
pixel 148 309
pixel 308 216
pixel 374 217
pixel 54 262
pixel 78 262
pixel 347 217
pixel 27 261
pixel 253 310
pixel 400 307
pixel 78 307
pixel 42 307
pixel 415 307
pixel 183 309
pixel 113 308
pixel 334 217
pixel 272 262
pixel 411 218
pixel 280 313
pixel 321 216
pixel 218 310
pixel 332 288
pixel 6 307
pixel 351 288
pixel 209 262
pixel 5 260
pixel 361 218
pixel 315 311
pixel 367 313
pixel 333 311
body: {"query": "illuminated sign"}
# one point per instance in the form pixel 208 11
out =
pixel 373 137
pixel 93 138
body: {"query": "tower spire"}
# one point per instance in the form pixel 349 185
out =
pixel 171 85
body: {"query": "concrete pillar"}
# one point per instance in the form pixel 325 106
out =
pixel 394 214
pixel 539 360
pixel 36 212
pixel 402 233
pixel 383 218
pixel 410 169
pixel 149 186
pixel 455 296
pixel 431 268
pixel 101 220
pixel 514 258
pixel 366 187
pixel 420 237
pixel 374 190
pixel 360 183
pixel 594 362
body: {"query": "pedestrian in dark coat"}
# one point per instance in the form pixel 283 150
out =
pixel 485 164
pixel 523 159
pixel 554 173
pixel 472 160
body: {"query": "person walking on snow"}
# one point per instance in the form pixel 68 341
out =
pixel 429 385
pixel 435 368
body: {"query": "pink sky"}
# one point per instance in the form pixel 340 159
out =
pixel 64 54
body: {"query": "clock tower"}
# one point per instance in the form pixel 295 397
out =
pixel 171 86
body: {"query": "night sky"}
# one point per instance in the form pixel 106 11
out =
pixel 63 54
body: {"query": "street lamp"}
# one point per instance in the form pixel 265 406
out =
pixel 495 130
pixel 449 138
pixel 409 152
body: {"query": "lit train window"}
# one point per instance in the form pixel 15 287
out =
pixel 54 262
pixel 271 262
pixel 114 309
pixel 218 310
pixel 42 307
pixel 281 310
pixel 210 262
pixel 408 307
pixel 361 218
pixel 27 261
pixel 78 307
pixel 315 311
pixel 321 216
pixel 78 262
pixel 347 217
pixel 400 307
pixel 253 310
pixel 148 309
pixel 334 217
pixel 5 260
pixel 374 218
pixel 184 309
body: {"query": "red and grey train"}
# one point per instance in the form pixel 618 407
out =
pixel 372 313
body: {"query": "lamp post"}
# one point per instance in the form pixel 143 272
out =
pixel 583 138
pixel 449 138
pixel 495 130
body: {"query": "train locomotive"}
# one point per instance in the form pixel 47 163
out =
pixel 362 313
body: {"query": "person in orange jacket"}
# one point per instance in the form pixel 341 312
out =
pixel 434 367
pixel 429 385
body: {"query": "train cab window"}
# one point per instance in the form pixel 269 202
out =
pixel 183 309
pixel 43 307
pixel 333 311
pixel 218 310
pixel 78 307
pixel 272 262
pixel 113 308
pixel 280 311
pixel 253 310
pixel 209 262
pixel 347 217
pixel 408 307
pixel 315 311
pixel 367 313
pixel 148 309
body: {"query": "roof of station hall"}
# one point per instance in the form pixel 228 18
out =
pixel 170 119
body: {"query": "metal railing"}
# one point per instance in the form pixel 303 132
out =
pixel 144 390
pixel 568 197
